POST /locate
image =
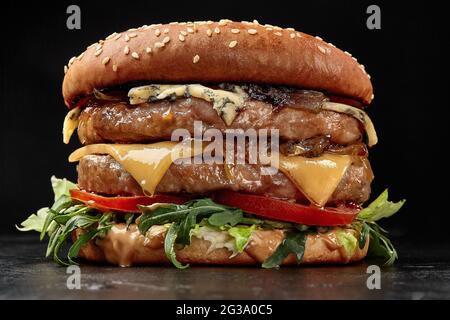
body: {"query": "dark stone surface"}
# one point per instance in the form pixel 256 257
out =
pixel 422 273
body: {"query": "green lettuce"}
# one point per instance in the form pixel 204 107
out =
pixel 380 208
pixel 347 240
pixel 241 234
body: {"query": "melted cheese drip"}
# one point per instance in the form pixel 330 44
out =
pixel 147 163
pixel 226 103
pixel 70 123
pixel 317 178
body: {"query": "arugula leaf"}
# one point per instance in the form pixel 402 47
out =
pixel 380 245
pixel 363 235
pixel 241 234
pixel 169 244
pixel 35 221
pixel 61 187
pixel 230 217
pixel 294 242
pixel 380 208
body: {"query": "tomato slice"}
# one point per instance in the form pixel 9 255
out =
pixel 286 211
pixel 123 204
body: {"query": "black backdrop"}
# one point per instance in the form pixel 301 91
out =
pixel 407 59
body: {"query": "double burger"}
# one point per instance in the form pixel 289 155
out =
pixel 139 200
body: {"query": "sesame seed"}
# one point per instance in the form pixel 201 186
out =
pixel 117 36
pixel 105 60
pixel 190 30
pixel 159 44
pixel 166 31
pixel 101 42
pixel 319 38
pixel 166 40
pixel 132 29
pixel 222 23
pixel 232 44
pixel 372 97
pixel 132 35
pixel 362 67
pixel 255 21
pixel 235 31
pixel 148 50
pixel 98 52
pixel 368 76
pixel 322 49
pixel 354 59
pixel 126 50
pixel 184 33
pixel 175 22
pixel 114 67
pixel 65 69
pixel 269 29
pixel 217 30
pixel 127 38
pixel 135 55
pixel 196 58
pixel 157 32
pixel 112 35
pixel 290 29
pixel 81 56
pixel 98 47
pixel 92 45
pixel 332 45
pixel 91 201
pixel 181 37
pixel 252 31
pixel 72 60
pixel 277 28
pixel 209 32
pixel 292 35
pixel 278 33
pixel 348 53
pixel 209 22
pixel 299 35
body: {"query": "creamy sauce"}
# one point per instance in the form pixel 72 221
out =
pixel 316 178
pixel 226 103
pixel 123 247
pixel 147 163
pixel 70 123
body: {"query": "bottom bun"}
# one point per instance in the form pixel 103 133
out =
pixel 126 247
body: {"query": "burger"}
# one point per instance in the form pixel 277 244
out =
pixel 137 96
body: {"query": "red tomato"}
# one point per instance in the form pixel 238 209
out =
pixel 123 204
pixel 285 211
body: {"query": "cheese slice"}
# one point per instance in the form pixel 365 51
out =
pixel 70 123
pixel 316 178
pixel 226 103
pixel 147 163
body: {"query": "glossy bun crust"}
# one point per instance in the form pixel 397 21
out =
pixel 222 51
pixel 130 248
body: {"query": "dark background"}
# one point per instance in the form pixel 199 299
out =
pixel 407 59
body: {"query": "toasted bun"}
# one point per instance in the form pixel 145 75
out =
pixel 216 52
pixel 129 247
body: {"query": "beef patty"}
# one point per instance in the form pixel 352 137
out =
pixel 102 174
pixel 118 122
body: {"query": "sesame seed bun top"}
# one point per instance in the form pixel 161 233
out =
pixel 223 51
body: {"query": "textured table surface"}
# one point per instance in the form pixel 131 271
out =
pixel 422 273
